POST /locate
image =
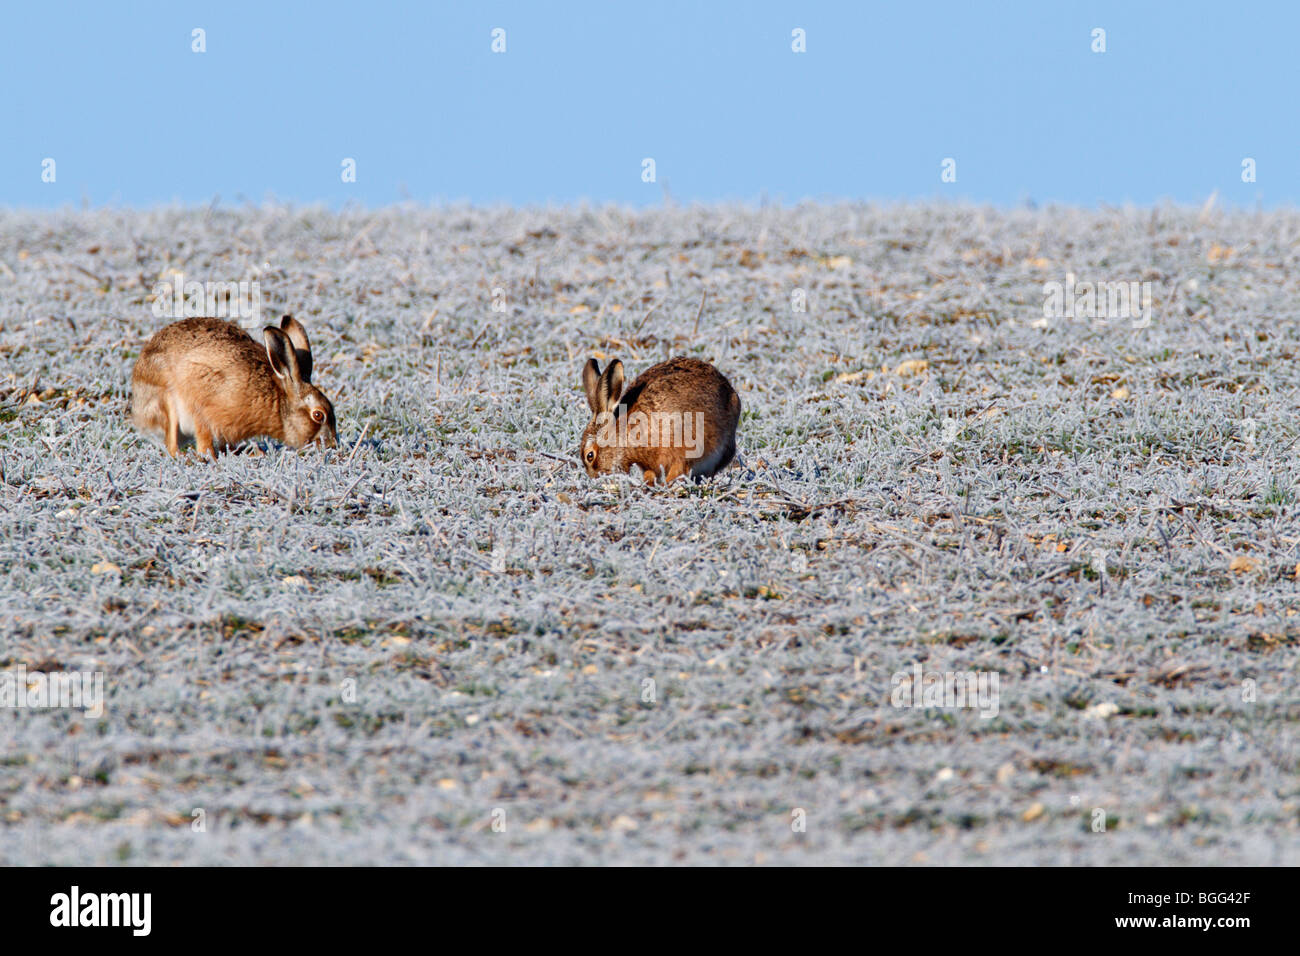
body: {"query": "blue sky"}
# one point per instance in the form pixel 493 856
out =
pixel 585 91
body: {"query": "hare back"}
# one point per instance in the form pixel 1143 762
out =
pixel 205 359
pixel 682 384
pixel 197 342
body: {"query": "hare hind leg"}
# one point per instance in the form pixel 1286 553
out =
pixel 178 425
pixel 712 463
pixel 173 434
pixel 668 473
pixel 152 413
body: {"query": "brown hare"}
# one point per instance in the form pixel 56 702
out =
pixel 208 381
pixel 678 418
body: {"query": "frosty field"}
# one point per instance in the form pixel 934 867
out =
pixel 442 643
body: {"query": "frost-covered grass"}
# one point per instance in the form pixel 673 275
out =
pixel 373 654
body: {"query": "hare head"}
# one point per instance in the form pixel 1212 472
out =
pixel 306 415
pixel 604 389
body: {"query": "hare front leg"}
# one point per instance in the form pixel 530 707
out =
pixel 203 441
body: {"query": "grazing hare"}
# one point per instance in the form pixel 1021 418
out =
pixel 679 418
pixel 206 380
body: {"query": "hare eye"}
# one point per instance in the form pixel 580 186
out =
pixel 317 416
pixel 591 454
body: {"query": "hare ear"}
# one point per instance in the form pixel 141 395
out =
pixel 611 385
pixel 590 381
pixel 280 353
pixel 298 336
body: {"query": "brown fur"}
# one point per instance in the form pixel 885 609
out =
pixel 680 386
pixel 209 381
